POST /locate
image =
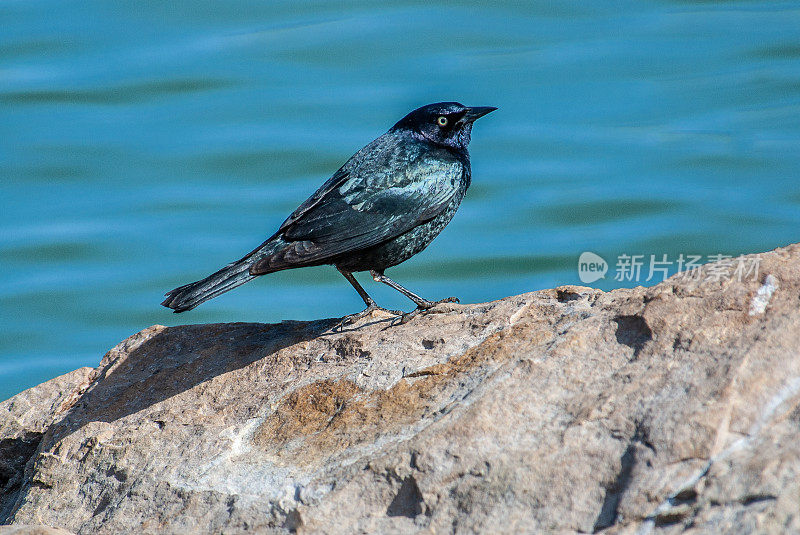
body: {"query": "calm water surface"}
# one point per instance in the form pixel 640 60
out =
pixel 145 144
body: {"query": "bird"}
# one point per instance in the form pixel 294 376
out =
pixel 383 206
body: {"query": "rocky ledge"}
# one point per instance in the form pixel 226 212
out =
pixel 664 409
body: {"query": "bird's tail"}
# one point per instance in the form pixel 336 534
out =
pixel 190 295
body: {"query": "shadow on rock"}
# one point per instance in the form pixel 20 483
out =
pixel 166 361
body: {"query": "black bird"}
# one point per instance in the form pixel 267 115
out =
pixel 386 204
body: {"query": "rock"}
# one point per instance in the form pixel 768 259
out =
pixel 25 529
pixel 664 409
pixel 24 419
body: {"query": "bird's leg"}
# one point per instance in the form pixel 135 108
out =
pixel 422 303
pixel 371 305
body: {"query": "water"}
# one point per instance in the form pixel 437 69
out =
pixel 145 144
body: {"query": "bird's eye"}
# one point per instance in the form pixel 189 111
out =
pixel 442 120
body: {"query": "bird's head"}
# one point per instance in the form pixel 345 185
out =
pixel 443 123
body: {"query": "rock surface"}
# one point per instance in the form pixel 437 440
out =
pixel 664 409
pixel 27 529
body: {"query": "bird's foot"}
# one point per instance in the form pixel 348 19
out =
pixel 352 318
pixel 422 309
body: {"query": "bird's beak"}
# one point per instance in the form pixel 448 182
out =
pixel 476 113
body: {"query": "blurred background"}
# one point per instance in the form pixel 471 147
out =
pixel 143 145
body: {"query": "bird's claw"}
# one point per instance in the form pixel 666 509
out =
pixel 352 318
pixel 405 318
pixel 431 304
pixel 408 316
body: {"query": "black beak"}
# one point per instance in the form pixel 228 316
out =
pixel 476 113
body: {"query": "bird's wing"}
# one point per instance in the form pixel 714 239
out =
pixel 365 204
pixel 333 182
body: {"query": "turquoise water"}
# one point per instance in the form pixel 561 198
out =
pixel 145 144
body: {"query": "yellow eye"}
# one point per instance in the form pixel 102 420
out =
pixel 442 120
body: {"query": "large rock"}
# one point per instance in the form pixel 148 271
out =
pixel 656 409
